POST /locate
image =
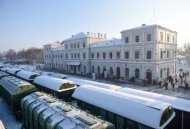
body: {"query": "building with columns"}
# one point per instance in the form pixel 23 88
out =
pixel 145 52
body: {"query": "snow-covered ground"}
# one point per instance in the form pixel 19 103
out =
pixel 7 117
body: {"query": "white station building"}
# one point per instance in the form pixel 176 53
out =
pixel 145 52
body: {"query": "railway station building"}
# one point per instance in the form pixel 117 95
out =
pixel 145 52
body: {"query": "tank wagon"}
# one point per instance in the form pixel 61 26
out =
pixel 124 110
pixel 27 75
pixel 60 88
pixel 181 107
pixel 42 111
pixel 13 89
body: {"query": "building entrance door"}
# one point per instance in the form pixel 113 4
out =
pixel 149 76
pixel 118 72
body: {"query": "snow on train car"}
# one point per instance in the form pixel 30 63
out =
pixel 125 111
pixel 42 111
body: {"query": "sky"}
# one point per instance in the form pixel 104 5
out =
pixel 34 23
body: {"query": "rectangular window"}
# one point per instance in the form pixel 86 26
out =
pixel 110 55
pixel 66 56
pixel 71 45
pixel 126 39
pixel 168 54
pixel 148 54
pixel 173 38
pixel 84 55
pixel 168 38
pixel 136 38
pixel 118 55
pixel 98 55
pixel 149 37
pixel 65 46
pixel 126 55
pixel 92 55
pixel 75 56
pixel 72 56
pixel 161 54
pixel 136 54
pixel 78 55
pixel 83 45
pixel 104 55
pixel 78 45
pixel 161 36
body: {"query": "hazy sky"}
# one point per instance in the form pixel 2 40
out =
pixel 33 23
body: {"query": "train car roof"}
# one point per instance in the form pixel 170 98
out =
pixel 4 69
pixel 3 74
pixel 26 74
pixel 177 103
pixel 11 84
pixel 81 82
pixel 133 107
pixel 71 114
pixel 13 70
pixel 53 83
pixel 56 75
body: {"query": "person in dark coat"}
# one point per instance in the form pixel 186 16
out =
pixel 166 85
pixel 173 85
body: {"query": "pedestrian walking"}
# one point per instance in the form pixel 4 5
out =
pixel 166 85
pixel 173 86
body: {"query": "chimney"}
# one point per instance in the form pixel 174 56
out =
pixel 143 24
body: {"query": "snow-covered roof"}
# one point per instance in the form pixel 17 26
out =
pixel 56 75
pixel 81 82
pixel 77 36
pixel 13 70
pixel 4 69
pixel 129 106
pixel 111 42
pixel 140 27
pixel 177 103
pixel 55 84
pixel 27 75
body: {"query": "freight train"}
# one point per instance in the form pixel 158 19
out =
pixel 177 106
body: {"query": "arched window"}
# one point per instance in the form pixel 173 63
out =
pixel 127 72
pixel 111 71
pixel 137 73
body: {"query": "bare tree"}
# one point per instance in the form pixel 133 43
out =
pixel 11 55
pixel 35 55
